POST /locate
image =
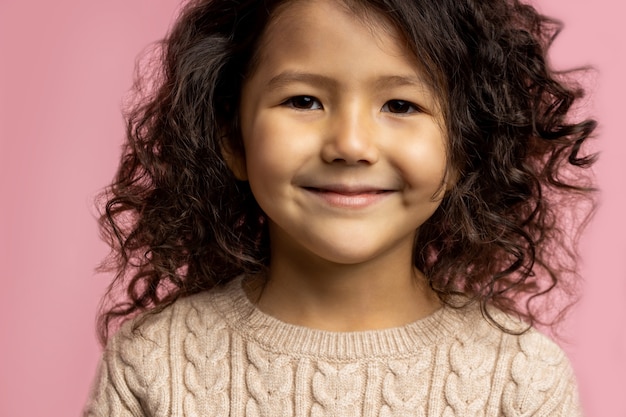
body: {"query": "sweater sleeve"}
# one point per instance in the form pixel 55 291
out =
pixel 542 381
pixel 110 395
pixel 133 377
pixel 567 392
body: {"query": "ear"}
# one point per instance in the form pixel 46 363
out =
pixel 235 160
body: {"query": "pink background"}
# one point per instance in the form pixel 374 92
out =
pixel 64 68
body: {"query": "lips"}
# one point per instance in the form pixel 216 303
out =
pixel 345 196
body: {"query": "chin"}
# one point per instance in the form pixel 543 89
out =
pixel 349 256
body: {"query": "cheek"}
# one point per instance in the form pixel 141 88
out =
pixel 274 144
pixel 262 151
pixel 423 161
pixel 274 154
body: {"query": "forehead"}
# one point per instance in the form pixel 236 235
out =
pixel 304 27
pixel 359 10
pixel 297 16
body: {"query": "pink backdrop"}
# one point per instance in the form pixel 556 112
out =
pixel 64 68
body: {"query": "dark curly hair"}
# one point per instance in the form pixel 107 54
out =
pixel 179 222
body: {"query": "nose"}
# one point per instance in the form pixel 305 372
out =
pixel 351 138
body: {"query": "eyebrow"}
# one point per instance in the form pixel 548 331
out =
pixel 399 81
pixel 388 81
pixel 288 77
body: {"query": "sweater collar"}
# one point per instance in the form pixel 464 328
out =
pixel 284 338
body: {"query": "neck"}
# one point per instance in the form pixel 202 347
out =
pixel 337 297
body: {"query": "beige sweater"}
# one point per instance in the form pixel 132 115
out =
pixel 214 354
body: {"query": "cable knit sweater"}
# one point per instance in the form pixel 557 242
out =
pixel 215 354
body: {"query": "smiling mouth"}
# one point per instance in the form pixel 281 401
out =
pixel 352 198
pixel 347 191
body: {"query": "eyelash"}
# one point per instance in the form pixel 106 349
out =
pixel 406 105
pixel 297 101
pixel 312 103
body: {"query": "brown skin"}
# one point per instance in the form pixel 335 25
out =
pixel 178 222
pixel 341 260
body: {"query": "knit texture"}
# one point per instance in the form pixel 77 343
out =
pixel 215 354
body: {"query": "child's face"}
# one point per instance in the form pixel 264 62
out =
pixel 344 146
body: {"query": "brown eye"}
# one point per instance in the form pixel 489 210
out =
pixel 303 103
pixel 400 106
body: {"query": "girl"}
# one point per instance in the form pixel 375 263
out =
pixel 343 208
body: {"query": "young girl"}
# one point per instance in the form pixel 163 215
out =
pixel 344 208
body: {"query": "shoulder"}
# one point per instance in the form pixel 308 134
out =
pixel 156 330
pixel 531 373
pixel 524 345
pixel 148 352
pixel 508 335
pixel 540 378
pixel 155 338
pixel 143 357
pixel 522 348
